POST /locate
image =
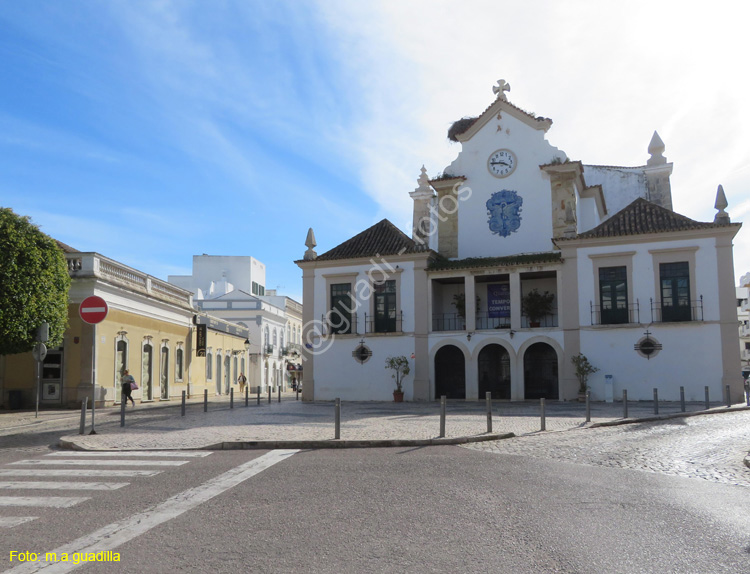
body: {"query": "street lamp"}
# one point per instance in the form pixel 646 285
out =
pixel 247 344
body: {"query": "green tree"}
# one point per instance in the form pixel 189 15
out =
pixel 34 284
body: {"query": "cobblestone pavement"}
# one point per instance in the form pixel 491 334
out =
pixel 710 447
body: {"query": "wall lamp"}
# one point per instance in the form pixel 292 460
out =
pixel 511 333
pixel 468 336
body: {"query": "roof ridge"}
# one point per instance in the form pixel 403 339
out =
pixel 381 238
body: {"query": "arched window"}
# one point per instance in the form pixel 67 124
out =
pixel 275 338
pixel 179 362
pixel 209 364
pixel 268 342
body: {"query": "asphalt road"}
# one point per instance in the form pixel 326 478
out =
pixel 431 509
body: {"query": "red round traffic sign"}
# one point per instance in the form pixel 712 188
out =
pixel 93 310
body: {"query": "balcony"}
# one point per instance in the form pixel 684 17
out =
pixel 448 322
pixel 380 324
pixel 623 315
pixel 268 350
pixel 485 322
pixel 691 310
pixel 545 322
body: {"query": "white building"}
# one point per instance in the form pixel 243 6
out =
pixel 233 289
pixel 645 293
pixel 743 316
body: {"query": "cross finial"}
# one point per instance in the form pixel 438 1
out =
pixel 500 89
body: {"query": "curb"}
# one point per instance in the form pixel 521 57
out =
pixel 667 416
pixel 310 444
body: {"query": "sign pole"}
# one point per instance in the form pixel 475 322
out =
pixel 93 380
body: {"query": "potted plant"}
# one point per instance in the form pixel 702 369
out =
pixel 537 305
pixel 459 302
pixel 400 367
pixel 583 370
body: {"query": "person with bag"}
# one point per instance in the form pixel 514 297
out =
pixel 128 386
pixel 242 380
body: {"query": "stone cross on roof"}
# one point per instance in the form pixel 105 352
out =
pixel 500 89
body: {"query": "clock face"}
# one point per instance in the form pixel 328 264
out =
pixel 502 163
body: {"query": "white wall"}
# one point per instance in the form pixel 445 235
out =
pixel 339 375
pixel 532 150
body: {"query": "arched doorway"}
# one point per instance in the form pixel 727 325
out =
pixel 540 372
pixel 450 373
pixel 218 373
pixel 147 371
pixel 494 372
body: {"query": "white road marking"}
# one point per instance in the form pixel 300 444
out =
pixel 42 501
pixel 11 521
pixel 19 484
pixel 38 472
pixel 118 533
pixel 39 462
pixel 138 453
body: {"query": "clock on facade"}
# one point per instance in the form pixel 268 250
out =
pixel 502 163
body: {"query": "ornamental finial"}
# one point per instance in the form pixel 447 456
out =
pixel 721 204
pixel 500 89
pixel 310 243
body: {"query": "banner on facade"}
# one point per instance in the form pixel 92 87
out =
pixel 498 300
pixel 200 340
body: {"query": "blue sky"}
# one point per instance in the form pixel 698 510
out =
pixel 153 131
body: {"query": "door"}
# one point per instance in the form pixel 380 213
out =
pixel 147 371
pixel 540 372
pixel 450 373
pixel 494 372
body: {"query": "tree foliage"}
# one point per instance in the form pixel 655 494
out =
pixel 34 284
pixel 400 367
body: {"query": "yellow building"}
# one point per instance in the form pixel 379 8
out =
pixel 151 329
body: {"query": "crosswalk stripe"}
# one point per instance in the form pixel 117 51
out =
pixel 134 453
pixel 40 462
pixel 42 501
pixel 11 521
pixel 38 485
pixel 85 473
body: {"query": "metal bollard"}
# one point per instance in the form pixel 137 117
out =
pixel 279 389
pixel 588 406
pixel 488 396
pixel 297 391
pixel 205 400
pixel 624 403
pixel 258 394
pixel 123 404
pixel 747 395
pixel 544 418
pixel 231 398
pixel 247 395
pixel 708 405
pixel 682 398
pixel 338 418
pixel 83 415
pixel 729 397
pixel 183 403
pixel 656 401
pixel 442 416
pixel 269 394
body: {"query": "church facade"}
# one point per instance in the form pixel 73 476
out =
pixel 520 260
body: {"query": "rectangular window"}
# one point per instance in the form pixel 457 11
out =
pixel 385 306
pixel 674 280
pixel 613 295
pixel 342 305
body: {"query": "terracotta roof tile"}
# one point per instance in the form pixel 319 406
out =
pixel 641 217
pixel 383 238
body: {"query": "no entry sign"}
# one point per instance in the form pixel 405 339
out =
pixel 93 310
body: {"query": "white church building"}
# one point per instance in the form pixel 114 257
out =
pixel 557 257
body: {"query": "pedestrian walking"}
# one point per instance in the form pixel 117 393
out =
pixel 242 380
pixel 128 386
